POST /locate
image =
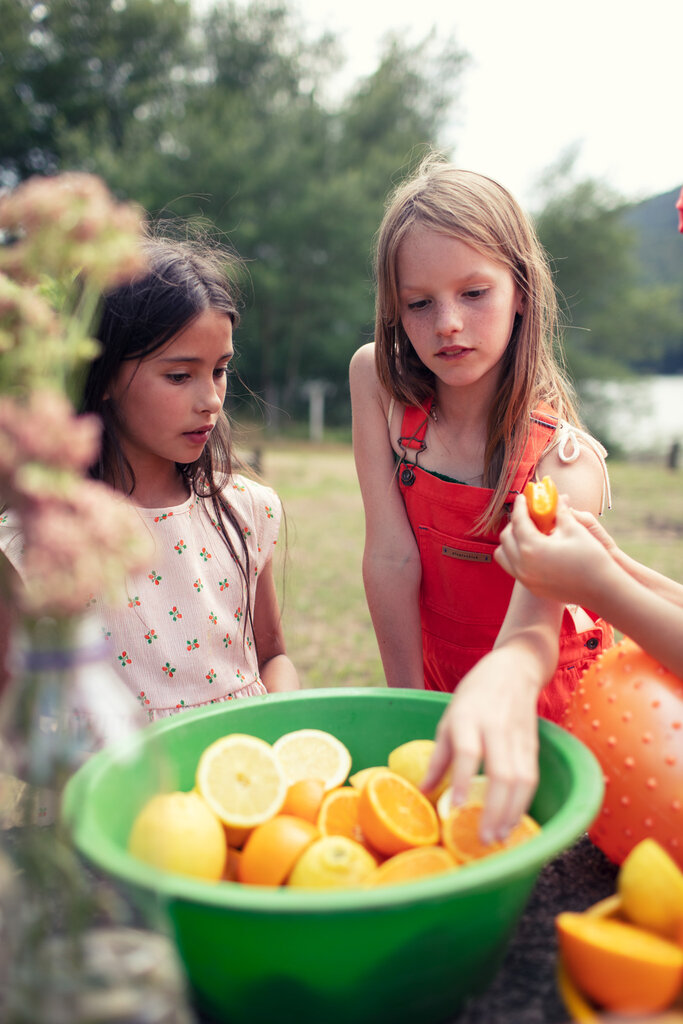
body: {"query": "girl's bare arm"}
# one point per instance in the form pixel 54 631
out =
pixel 277 670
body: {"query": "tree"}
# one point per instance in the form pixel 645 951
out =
pixel 616 323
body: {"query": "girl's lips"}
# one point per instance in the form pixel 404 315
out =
pixel 452 353
pixel 198 436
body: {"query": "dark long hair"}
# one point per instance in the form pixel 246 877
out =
pixel 183 280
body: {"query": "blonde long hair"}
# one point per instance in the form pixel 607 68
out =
pixel 481 213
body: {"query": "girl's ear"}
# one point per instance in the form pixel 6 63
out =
pixel 521 303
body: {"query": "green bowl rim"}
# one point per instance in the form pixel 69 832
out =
pixel 564 827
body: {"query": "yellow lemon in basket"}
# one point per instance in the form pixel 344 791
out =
pixel 179 832
pixel 241 779
pixel 411 759
pixel 313 754
pixel 650 884
pixel 332 862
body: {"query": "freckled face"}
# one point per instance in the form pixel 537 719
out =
pixel 169 402
pixel 457 306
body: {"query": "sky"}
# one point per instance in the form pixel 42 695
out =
pixel 543 77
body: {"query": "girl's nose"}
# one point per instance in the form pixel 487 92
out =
pixel 448 318
pixel 210 398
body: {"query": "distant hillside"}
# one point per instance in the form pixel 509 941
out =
pixel 660 245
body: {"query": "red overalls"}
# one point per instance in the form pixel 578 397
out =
pixel 464 593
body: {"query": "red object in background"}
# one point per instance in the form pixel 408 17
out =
pixel 679 207
pixel 628 709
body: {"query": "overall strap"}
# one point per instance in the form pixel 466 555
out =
pixel 414 426
pixel 542 429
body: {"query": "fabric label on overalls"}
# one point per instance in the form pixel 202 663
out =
pixel 465 556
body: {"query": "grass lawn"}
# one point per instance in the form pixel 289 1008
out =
pixel 328 628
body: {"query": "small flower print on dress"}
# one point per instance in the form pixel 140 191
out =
pixel 206 555
pixel 210 675
pixel 168 669
pixel 175 614
pixel 213 618
pixel 180 705
pixel 164 515
pixel 238 614
pixel 198 585
pixel 223 584
pixel 246 531
pixel 124 659
pixel 152 635
pixel 106 633
pixel 192 645
pixel 180 546
pixel 238 487
pixel 269 512
pixel 155 577
pixel 143 698
pixel 249 642
pixel 227 640
pixel 240 677
pixel 134 602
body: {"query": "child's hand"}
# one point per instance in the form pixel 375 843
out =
pixel 561 566
pixel 492 719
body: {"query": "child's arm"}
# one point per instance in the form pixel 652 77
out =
pixel 391 560
pixel 276 669
pixel 492 714
pixel 578 563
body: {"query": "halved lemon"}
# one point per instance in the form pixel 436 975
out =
pixel 242 780
pixel 313 754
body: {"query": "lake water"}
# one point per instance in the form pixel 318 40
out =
pixel 641 417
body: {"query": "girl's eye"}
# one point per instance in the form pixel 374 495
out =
pixel 221 371
pixel 418 304
pixel 475 293
pixel 177 378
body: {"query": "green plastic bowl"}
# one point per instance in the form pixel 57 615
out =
pixel 399 953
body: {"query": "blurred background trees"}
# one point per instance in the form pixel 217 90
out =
pixel 221 115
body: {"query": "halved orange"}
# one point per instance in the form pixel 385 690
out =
pixel 408 866
pixel 394 815
pixel 273 848
pixel 624 968
pixel 460 834
pixel 338 815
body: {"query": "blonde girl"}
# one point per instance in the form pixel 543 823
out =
pixel 458 403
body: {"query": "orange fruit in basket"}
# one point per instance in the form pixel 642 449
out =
pixel 179 832
pixel 338 815
pixel 303 799
pixel 332 862
pixel 241 779
pixel 411 760
pixel 394 815
pixel 313 754
pixel 623 968
pixel 460 834
pixel 359 778
pixel 273 848
pixel 408 866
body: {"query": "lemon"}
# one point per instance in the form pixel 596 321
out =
pixel 650 884
pixel 411 760
pixel 313 754
pixel 179 832
pixel 332 862
pixel 476 794
pixel 241 779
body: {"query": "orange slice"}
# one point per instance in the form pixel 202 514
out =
pixel 394 815
pixel 313 754
pixel 338 814
pixel 623 968
pixel 241 779
pixel 419 862
pixel 273 848
pixel 460 834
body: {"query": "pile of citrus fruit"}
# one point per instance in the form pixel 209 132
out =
pixel 291 813
pixel 625 954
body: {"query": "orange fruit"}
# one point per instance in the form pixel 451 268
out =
pixel 650 884
pixel 394 815
pixel 241 779
pixel 623 968
pixel 418 862
pixel 411 760
pixel 303 799
pixel 313 754
pixel 332 862
pixel 338 815
pixel 359 778
pixel 460 834
pixel 273 848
